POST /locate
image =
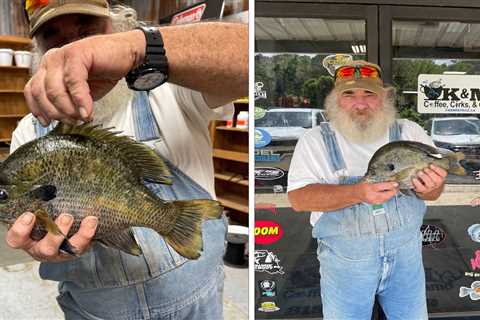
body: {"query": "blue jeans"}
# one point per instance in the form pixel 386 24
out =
pixel 193 290
pixel 353 272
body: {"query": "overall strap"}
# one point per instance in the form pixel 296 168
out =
pixel 144 123
pixel 395 131
pixel 40 131
pixel 335 157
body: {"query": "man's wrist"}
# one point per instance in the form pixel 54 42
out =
pixel 138 45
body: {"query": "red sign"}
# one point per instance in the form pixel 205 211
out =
pixel 193 14
pixel 267 232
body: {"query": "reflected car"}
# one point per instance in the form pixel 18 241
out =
pixel 288 124
pixel 456 134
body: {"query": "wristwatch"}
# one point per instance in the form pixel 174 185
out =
pixel 154 69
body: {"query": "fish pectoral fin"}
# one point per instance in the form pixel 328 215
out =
pixel 124 241
pixel 44 219
pixel 44 192
pixel 435 155
pixel 402 175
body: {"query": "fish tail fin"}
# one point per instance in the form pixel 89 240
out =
pixel 186 234
pixel 455 166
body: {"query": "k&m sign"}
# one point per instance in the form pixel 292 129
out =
pixel 445 93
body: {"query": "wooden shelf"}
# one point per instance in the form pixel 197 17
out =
pixel 234 202
pixel 5 139
pixel 232 177
pixel 15 42
pixel 230 155
pixel 232 129
pixel 243 100
pixel 11 91
pixel 12 115
pixel 14 68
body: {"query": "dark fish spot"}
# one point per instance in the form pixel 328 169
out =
pixel 391 167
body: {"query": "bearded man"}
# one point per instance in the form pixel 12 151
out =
pixel 84 57
pixel 369 240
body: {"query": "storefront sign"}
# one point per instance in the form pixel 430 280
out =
pixel 444 93
pixel 267 232
pixel 262 138
pixel 473 291
pixel 191 15
pixel 474 232
pixel 269 306
pixel 267 261
pixel 268 288
pixel 431 234
pixel 268 173
pixel 259 93
pixel 333 61
pixel 267 156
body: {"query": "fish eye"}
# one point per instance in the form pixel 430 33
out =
pixel 390 166
pixel 3 194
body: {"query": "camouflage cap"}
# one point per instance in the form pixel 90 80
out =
pixel 41 11
pixel 374 84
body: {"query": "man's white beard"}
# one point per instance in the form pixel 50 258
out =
pixel 364 126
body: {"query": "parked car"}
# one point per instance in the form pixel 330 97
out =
pixel 456 134
pixel 286 124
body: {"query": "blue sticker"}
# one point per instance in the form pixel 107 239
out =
pixel 262 138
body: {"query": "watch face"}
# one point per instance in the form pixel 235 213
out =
pixel 148 81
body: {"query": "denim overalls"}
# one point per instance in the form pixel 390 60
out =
pixel 106 283
pixel 366 252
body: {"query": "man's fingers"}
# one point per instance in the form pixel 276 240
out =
pixel 440 171
pixel 81 240
pixel 76 77
pixel 39 95
pixel 427 179
pixel 384 186
pixel 18 236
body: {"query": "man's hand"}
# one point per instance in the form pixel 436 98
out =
pixel 71 77
pixel 429 182
pixel 46 249
pixel 377 193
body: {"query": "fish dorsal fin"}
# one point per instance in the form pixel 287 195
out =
pixel 141 159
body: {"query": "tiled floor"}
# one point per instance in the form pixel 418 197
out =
pixel 24 296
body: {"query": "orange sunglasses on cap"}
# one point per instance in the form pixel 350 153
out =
pixel 357 72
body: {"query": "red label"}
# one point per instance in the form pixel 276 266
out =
pixel 191 15
pixel 267 232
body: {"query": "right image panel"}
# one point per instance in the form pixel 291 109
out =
pixel 367 160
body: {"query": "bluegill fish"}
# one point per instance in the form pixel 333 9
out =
pixel 86 170
pixel 400 161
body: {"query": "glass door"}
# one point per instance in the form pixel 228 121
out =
pixel 292 79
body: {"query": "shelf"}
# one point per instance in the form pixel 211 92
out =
pixel 232 129
pixel 14 68
pixel 13 115
pixel 5 139
pixel 232 177
pixel 15 42
pixel 234 202
pixel 11 91
pixel 230 155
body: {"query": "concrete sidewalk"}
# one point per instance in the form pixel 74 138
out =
pixel 24 296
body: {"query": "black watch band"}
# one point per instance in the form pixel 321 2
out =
pixel 154 69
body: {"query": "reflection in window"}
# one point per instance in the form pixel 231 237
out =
pixel 456 127
pixel 285 119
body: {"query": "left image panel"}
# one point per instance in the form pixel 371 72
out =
pixel 124 159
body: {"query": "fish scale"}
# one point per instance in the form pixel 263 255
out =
pixel 86 170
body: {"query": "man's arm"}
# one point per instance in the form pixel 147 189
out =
pixel 208 57
pixel 328 197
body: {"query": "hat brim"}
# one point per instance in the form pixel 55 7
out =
pixel 362 83
pixel 87 9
